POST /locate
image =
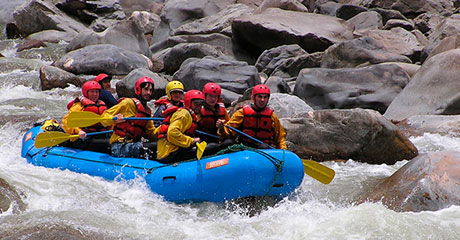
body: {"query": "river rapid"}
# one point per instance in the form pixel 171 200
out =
pixel 128 210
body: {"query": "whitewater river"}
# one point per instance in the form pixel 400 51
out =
pixel 128 210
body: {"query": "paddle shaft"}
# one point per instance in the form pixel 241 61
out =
pixel 244 134
pixel 95 133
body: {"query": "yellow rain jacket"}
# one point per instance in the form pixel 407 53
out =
pixel 127 107
pixel 236 120
pixel 76 107
pixel 180 122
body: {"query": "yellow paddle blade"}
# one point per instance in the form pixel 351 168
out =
pixel 49 139
pixel 318 171
pixel 84 119
pixel 200 149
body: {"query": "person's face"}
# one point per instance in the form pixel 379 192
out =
pixel 196 106
pixel 146 92
pixel 93 95
pixel 106 84
pixel 176 96
pixel 211 99
pixel 261 100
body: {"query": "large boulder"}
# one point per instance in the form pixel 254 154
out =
pixel 125 34
pixel 52 77
pixel 358 134
pixel 359 52
pixel 281 27
pixel 107 58
pixel 372 87
pixel 39 15
pixel 432 90
pixel 230 74
pixel 428 182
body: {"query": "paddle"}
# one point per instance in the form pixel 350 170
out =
pixel 85 119
pixel 53 138
pixel 200 149
pixel 313 169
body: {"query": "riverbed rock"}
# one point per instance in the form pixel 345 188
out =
pixel 359 134
pixel 428 182
pixel 9 197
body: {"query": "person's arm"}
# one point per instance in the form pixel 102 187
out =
pixel 151 132
pixel 181 121
pixel 279 137
pixel 77 107
pixel 235 121
pixel 126 107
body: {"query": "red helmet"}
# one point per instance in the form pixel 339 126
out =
pixel 139 82
pixel 90 85
pixel 260 89
pixel 191 95
pixel 212 88
pixel 101 77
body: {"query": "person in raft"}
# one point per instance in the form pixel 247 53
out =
pixel 126 140
pixel 258 121
pixel 105 95
pixel 175 92
pixel 212 112
pixel 88 101
pixel 176 133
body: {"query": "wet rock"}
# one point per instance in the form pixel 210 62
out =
pixel 432 90
pixel 437 124
pixel 9 197
pixel 50 230
pixel 358 134
pixel 428 182
pixel 28 44
pixel 53 77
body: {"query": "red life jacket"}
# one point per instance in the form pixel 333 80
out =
pixel 134 129
pixel 258 124
pixel 165 124
pixel 97 107
pixel 209 117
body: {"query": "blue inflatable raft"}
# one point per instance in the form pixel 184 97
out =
pixel 246 173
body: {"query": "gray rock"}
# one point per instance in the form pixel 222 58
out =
pixel 432 90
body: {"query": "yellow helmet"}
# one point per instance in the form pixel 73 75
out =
pixel 174 86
